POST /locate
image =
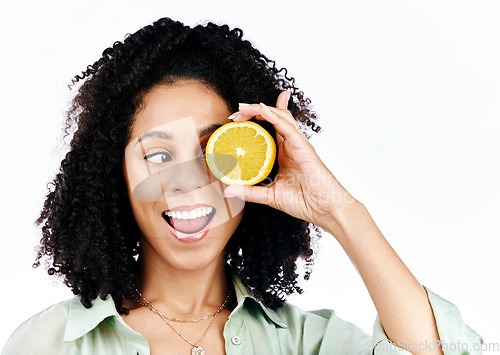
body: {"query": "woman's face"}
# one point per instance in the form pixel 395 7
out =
pixel 177 203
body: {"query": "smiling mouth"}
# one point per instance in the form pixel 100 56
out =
pixel 189 222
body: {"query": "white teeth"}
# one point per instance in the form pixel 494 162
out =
pixel 197 212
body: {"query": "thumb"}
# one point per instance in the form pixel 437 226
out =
pixel 283 98
pixel 257 194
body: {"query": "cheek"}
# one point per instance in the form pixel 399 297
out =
pixel 225 230
pixel 134 168
pixel 229 210
pixel 230 223
pixel 139 211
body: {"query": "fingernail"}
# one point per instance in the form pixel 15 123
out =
pixel 265 107
pixel 228 193
pixel 289 95
pixel 232 117
pixel 243 104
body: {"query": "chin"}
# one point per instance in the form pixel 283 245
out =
pixel 196 260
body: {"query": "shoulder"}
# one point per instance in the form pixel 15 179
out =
pixel 41 334
pixel 324 331
pixel 317 319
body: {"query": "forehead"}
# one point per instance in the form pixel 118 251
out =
pixel 166 104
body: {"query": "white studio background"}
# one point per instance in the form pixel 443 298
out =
pixel 408 93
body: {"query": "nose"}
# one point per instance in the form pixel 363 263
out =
pixel 186 176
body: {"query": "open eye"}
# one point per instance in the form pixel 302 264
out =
pixel 159 157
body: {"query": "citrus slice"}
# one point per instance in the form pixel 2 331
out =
pixel 240 153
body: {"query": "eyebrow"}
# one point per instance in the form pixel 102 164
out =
pixel 202 132
pixel 155 134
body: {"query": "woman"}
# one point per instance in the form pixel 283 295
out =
pixel 164 259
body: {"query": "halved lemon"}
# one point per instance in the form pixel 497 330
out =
pixel 240 153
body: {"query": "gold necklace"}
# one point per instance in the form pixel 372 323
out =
pixel 197 349
pixel 172 319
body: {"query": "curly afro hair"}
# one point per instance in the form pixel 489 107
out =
pixel 89 236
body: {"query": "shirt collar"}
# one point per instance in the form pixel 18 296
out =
pixel 243 293
pixel 82 320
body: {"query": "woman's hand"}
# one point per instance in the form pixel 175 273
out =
pixel 304 187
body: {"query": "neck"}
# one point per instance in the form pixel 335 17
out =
pixel 183 293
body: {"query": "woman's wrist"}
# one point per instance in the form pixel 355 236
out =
pixel 348 216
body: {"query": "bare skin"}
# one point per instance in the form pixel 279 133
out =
pixel 306 189
pixel 189 281
pixel 163 340
pixel 182 280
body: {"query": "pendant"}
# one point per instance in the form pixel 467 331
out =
pixel 198 350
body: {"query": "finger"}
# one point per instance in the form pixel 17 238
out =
pixel 283 127
pixel 283 98
pixel 257 194
pixel 233 116
pixel 247 112
pixel 279 139
pixel 278 117
pixel 285 114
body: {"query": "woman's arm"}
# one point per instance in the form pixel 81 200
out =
pixel 306 189
pixel 400 300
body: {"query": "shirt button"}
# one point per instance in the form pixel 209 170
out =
pixel 236 340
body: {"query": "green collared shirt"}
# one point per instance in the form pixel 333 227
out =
pixel 252 328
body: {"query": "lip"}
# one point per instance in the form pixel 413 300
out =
pixel 184 237
pixel 187 208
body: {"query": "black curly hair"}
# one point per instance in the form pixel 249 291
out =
pixel 89 234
